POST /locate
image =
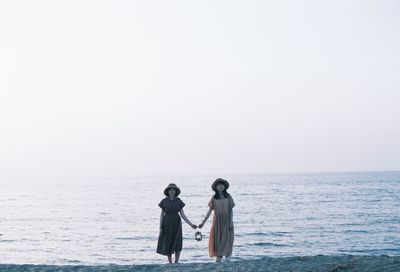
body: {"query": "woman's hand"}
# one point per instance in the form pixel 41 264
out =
pixel 231 226
pixel 161 231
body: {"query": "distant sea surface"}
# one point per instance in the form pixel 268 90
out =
pixel 116 220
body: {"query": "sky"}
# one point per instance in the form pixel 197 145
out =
pixel 123 88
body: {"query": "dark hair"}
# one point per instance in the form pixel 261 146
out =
pixel 224 192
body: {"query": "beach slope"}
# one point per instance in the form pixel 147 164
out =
pixel 311 263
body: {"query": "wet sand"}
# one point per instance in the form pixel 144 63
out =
pixel 312 263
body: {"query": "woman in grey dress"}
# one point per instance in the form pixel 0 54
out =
pixel 170 238
pixel 222 233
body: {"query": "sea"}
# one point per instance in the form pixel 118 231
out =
pixel 115 220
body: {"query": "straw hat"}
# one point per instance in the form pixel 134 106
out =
pixel 219 180
pixel 172 185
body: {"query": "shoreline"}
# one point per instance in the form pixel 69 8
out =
pixel 323 263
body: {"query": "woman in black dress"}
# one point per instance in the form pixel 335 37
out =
pixel 170 239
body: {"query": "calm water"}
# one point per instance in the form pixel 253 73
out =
pixel 102 221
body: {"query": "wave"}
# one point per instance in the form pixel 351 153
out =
pixel 301 263
pixel 266 244
pixel 276 233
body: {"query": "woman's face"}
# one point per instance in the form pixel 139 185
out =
pixel 220 187
pixel 172 192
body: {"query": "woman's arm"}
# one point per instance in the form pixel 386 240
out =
pixel 205 218
pixel 161 221
pixel 231 221
pixel 186 219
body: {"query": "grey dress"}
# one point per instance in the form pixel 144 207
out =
pixel 170 240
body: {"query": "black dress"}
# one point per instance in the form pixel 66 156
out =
pixel 170 240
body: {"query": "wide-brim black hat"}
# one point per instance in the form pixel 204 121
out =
pixel 219 180
pixel 172 185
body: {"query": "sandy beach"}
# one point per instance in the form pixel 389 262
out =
pixel 311 263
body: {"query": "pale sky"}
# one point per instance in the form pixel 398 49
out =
pixel 103 88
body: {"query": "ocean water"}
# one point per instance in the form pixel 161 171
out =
pixel 101 221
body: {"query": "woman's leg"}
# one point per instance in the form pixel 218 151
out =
pixel 169 258
pixel 177 254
